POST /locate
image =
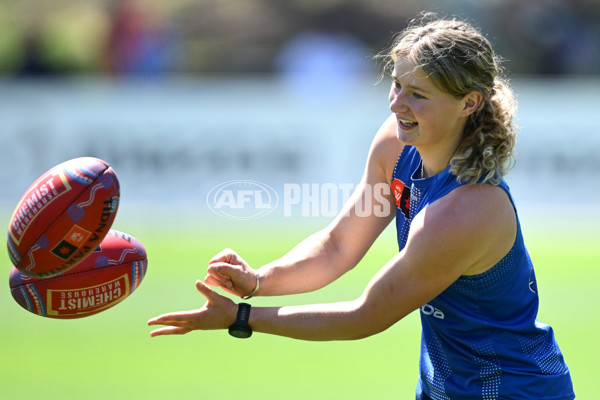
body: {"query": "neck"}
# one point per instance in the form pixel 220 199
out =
pixel 435 162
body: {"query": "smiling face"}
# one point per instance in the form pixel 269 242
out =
pixel 454 108
pixel 428 118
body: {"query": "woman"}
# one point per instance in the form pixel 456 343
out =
pixel 462 261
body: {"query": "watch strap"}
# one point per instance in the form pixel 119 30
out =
pixel 241 328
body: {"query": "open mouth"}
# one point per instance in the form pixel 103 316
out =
pixel 406 124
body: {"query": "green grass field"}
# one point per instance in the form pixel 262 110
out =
pixel 111 356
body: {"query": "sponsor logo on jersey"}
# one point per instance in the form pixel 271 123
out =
pixel 402 196
pixel 532 281
pixel 428 309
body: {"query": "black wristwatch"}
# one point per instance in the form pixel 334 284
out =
pixel 240 328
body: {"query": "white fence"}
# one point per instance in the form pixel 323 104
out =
pixel 172 141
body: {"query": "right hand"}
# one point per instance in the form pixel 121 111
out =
pixel 229 271
pixel 219 312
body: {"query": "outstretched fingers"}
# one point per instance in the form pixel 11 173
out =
pixel 178 323
pixel 170 330
pixel 217 313
pixel 181 318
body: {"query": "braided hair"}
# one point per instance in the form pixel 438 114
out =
pixel 458 59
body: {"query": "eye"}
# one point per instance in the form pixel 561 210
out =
pixel 418 96
pixel 397 85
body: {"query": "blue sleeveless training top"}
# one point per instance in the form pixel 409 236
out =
pixel 480 338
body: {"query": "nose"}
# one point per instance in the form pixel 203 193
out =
pixel 397 99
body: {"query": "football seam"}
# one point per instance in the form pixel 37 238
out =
pixel 78 273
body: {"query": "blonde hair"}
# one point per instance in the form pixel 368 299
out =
pixel 458 59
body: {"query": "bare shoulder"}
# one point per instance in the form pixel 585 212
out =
pixel 480 205
pixel 465 232
pixel 385 148
pixel 478 220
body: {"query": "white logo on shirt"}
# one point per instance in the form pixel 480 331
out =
pixel 428 309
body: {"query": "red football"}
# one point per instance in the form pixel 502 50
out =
pixel 63 216
pixel 106 277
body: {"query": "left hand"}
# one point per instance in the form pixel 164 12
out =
pixel 229 271
pixel 219 312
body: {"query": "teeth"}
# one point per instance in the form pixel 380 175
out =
pixel 407 122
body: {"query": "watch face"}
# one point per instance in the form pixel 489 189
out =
pixel 240 332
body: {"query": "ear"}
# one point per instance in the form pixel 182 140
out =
pixel 471 103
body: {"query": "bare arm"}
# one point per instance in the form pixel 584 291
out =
pixel 326 255
pixel 433 258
